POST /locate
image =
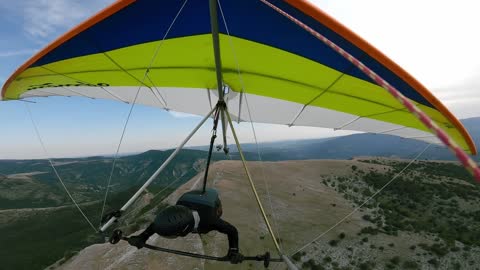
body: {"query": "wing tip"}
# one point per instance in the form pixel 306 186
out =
pixel 104 13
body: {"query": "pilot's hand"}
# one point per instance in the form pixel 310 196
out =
pixel 234 256
pixel 137 241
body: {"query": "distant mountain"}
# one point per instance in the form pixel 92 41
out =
pixel 347 147
pixel 32 183
pixel 392 146
pixel 267 146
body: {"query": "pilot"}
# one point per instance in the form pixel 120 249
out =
pixel 195 212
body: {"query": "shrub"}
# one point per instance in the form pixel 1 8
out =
pixel 368 265
pixel 296 257
pixel 395 260
pixel 434 262
pixel 333 243
pixel 369 230
pixel 410 265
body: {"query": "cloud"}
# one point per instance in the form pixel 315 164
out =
pixel 182 115
pixel 17 52
pixel 43 18
pixel 434 42
pixel 463 97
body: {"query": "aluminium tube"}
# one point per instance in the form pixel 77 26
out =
pixel 159 170
pixel 216 46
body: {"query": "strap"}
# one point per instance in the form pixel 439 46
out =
pixel 196 217
pixel 220 105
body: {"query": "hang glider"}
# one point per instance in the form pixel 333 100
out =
pixel 269 61
pixel 283 73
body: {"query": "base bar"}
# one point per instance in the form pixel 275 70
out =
pixel 289 263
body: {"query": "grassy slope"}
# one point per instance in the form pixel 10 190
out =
pixel 427 218
pixel 40 237
pixel 86 177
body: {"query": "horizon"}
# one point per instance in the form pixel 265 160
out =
pixel 173 148
pixel 195 147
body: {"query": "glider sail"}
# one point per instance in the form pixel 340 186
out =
pixel 293 63
pixel 163 49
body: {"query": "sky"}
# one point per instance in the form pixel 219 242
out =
pixel 434 40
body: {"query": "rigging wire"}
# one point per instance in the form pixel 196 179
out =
pixel 133 104
pixel 232 48
pixel 361 205
pixel 115 158
pixel 252 185
pixel 47 156
pixel 267 189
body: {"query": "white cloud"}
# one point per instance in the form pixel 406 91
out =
pixel 462 98
pixel 433 40
pixel 17 52
pixel 43 18
pixel 182 115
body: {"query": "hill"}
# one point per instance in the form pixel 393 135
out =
pixel 32 183
pixel 40 220
pixel 426 219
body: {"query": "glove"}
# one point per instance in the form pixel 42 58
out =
pixel 234 256
pixel 137 241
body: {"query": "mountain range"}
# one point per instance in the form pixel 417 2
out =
pixel 347 147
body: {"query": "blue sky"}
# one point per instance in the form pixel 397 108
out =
pixel 441 53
